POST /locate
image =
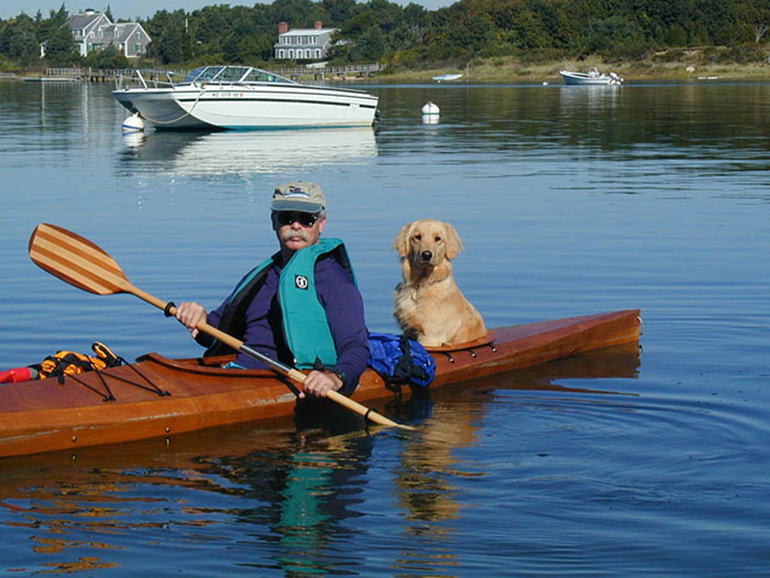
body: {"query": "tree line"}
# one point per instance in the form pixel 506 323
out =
pixel 412 36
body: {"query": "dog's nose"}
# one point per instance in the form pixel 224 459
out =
pixel 426 255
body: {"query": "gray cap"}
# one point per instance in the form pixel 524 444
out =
pixel 303 197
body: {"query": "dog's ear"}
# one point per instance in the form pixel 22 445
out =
pixel 453 243
pixel 401 243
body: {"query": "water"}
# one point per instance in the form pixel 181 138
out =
pixel 569 201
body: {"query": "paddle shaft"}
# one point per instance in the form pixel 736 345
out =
pixel 240 346
pixel 82 264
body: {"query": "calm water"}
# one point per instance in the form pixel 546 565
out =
pixel 569 200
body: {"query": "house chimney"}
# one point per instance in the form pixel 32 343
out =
pixel 318 25
pixel 283 28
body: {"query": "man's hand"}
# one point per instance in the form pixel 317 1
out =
pixel 190 314
pixel 318 384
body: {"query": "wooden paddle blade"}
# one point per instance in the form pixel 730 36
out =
pixel 76 260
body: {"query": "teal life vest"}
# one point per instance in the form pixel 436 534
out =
pixel 305 326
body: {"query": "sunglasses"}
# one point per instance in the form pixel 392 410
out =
pixel 288 217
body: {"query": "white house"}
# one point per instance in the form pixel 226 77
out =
pixel 303 43
pixel 93 31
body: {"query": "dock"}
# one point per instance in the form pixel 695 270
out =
pixel 317 73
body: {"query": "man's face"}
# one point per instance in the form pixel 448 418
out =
pixel 297 230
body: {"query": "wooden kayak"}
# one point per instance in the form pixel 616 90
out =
pixel 157 396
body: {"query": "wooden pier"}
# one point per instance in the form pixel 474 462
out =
pixel 317 73
pixel 333 72
pixel 81 74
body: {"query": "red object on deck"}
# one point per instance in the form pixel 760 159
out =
pixel 15 375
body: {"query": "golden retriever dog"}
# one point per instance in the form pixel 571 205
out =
pixel 429 306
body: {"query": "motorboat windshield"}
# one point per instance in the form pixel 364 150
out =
pixel 232 75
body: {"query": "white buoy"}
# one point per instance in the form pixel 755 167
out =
pixel 430 108
pixel 430 113
pixel 133 124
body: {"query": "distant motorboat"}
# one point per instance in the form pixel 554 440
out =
pixel 592 77
pixel 241 97
pixel 448 77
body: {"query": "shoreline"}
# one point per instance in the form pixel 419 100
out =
pixel 506 70
pixel 514 71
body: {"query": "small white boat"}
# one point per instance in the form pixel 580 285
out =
pixel 592 77
pixel 448 77
pixel 240 97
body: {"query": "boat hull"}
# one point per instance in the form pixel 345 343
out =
pixel 250 107
pixel 582 78
pixel 158 397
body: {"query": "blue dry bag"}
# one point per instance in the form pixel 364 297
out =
pixel 399 360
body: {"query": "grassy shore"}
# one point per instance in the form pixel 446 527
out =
pixel 667 65
pixel 513 70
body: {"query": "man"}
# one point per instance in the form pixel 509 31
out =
pixel 301 306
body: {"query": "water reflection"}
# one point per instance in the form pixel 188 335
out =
pixel 590 99
pixel 276 494
pixel 432 463
pixel 245 153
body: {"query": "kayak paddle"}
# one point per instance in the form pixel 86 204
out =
pixel 83 264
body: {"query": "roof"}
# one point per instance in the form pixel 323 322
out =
pixel 82 21
pixel 308 31
pixel 119 32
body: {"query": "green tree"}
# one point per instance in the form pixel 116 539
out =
pixel 339 11
pixel 19 41
pixel 370 46
pixel 298 13
pixel 254 49
pixel 607 34
pixel 61 49
pixel 172 41
pixel 109 57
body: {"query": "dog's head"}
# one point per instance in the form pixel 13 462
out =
pixel 427 244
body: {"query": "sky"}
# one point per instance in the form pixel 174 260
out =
pixel 130 9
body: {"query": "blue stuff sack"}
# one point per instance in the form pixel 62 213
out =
pixel 399 360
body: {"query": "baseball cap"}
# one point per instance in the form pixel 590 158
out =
pixel 300 196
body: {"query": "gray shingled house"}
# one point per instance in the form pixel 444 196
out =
pixel 93 31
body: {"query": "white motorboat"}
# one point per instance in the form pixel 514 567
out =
pixel 592 77
pixel 240 97
pixel 448 77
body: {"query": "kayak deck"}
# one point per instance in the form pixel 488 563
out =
pixel 157 396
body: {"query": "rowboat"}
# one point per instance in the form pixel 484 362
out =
pixel 161 397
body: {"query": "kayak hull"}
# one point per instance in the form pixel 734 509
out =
pixel 157 396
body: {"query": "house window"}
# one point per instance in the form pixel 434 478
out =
pixel 138 47
pixel 318 53
pixel 307 53
pixel 291 53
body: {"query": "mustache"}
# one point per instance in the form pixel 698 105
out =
pixel 292 233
